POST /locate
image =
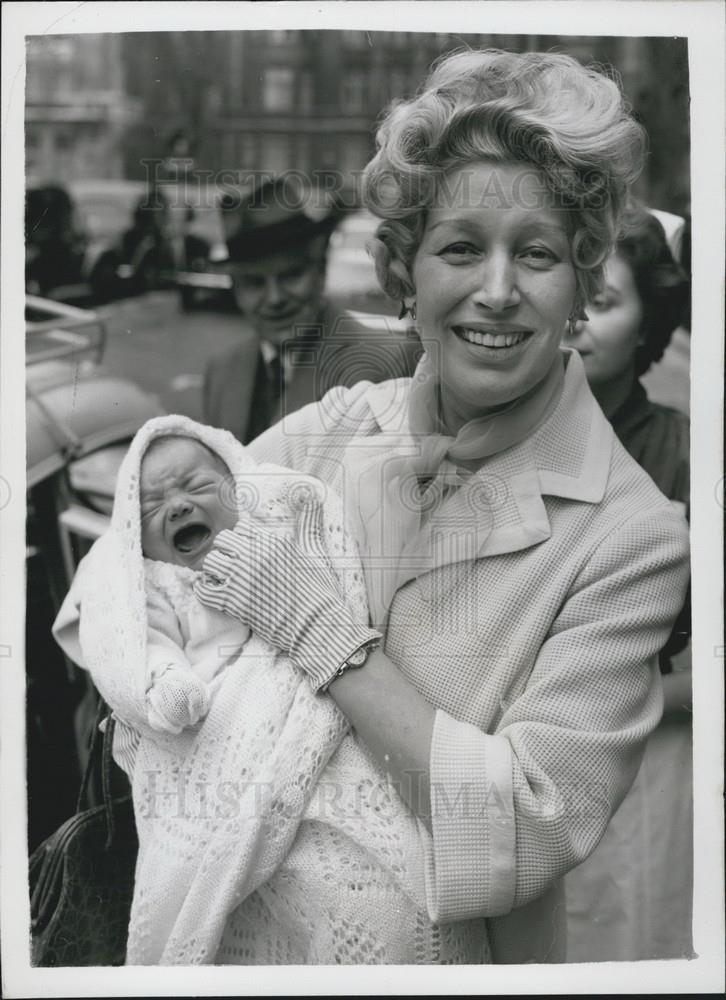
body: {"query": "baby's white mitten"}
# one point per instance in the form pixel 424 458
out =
pixel 176 698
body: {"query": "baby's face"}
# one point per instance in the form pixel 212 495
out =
pixel 182 501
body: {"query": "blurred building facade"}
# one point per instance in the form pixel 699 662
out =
pixel 309 100
pixel 77 109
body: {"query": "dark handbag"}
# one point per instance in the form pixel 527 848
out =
pixel 82 878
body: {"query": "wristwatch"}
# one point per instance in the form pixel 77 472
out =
pixel 356 659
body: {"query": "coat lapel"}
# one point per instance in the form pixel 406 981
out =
pixel 230 384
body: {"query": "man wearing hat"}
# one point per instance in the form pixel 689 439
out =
pixel 295 344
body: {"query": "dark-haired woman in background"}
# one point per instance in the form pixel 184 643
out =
pixel 631 899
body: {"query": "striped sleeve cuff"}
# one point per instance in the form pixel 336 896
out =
pixel 329 650
pixel 125 745
pixel 471 872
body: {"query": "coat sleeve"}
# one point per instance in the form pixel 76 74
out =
pixel 514 810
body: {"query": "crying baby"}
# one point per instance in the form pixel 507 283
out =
pixel 182 489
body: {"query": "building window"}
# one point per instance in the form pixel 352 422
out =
pixel 32 149
pixel 353 94
pixel 355 39
pixel 275 154
pixel 228 146
pixel 354 154
pixel 302 153
pixel 234 76
pixel 399 84
pixel 249 153
pixel 63 50
pixel 282 37
pixel 278 89
pixel 306 91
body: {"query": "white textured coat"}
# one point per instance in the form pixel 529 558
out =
pixel 545 588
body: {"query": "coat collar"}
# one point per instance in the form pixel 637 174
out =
pixel 500 508
pixel 570 452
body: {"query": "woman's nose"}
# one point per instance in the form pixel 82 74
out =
pixel 498 284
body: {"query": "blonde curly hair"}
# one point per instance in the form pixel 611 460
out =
pixel 545 109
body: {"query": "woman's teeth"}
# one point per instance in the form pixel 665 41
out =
pixel 490 339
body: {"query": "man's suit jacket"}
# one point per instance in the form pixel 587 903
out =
pixel 343 349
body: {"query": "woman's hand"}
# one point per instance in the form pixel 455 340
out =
pixel 285 591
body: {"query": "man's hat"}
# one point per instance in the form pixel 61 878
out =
pixel 276 214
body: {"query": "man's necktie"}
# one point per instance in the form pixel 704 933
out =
pixel 264 408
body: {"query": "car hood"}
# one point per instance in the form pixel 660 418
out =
pixel 71 413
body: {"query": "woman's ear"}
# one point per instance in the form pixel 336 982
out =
pixel 400 275
pixel 388 250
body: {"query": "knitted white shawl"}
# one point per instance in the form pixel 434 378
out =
pixel 219 806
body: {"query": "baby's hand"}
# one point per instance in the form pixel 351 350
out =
pixel 177 698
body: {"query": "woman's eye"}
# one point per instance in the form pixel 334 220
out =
pixel 600 303
pixel 458 250
pixel 539 255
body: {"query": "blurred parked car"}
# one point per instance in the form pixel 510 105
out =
pixel 90 242
pixel 351 275
pixel 200 277
pixel 139 237
pixel 55 244
pixel 80 419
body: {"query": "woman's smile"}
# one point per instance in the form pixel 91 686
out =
pixel 496 342
pixel 494 286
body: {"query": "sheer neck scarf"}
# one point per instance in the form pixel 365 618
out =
pixel 394 482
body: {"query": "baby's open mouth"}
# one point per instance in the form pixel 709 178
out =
pixel 190 538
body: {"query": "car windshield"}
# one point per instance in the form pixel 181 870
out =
pixel 106 208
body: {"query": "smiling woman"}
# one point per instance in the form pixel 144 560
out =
pixel 496 285
pixel 523 571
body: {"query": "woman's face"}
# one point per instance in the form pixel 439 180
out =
pixel 494 285
pixel 608 339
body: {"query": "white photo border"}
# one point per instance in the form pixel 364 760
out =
pixel 701 21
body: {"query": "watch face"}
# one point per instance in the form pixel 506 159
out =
pixel 358 658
